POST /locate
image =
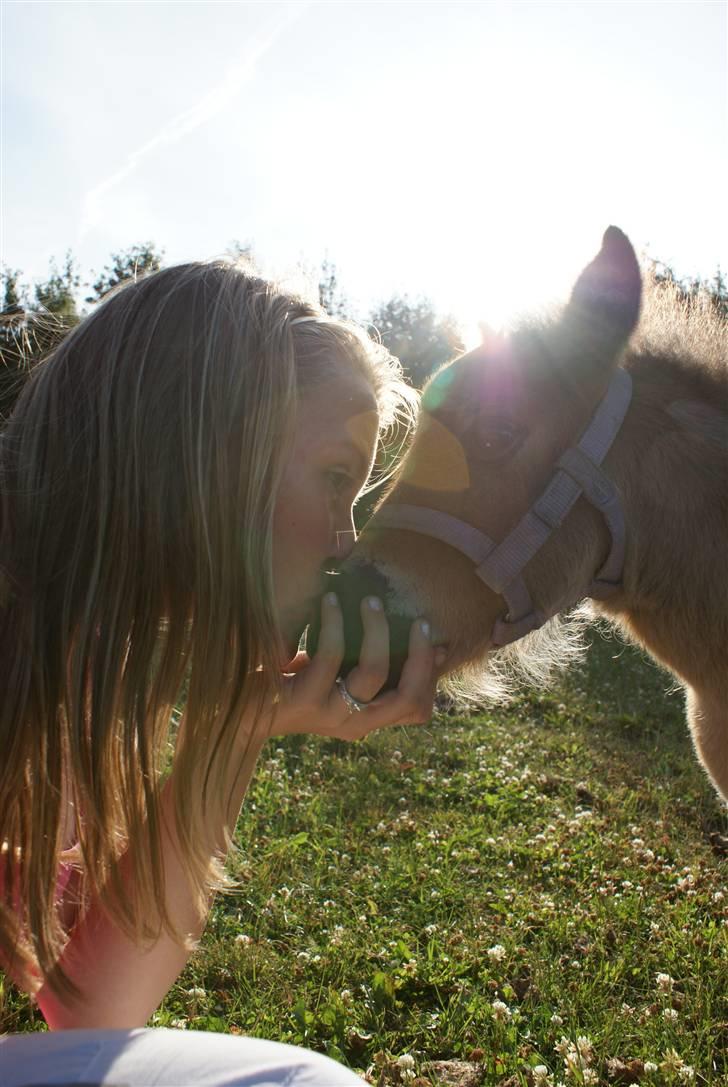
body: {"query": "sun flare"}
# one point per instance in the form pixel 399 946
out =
pixel 493 285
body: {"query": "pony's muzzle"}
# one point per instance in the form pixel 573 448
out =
pixel 351 585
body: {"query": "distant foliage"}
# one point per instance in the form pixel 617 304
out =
pixel 30 327
pixel 419 338
pixel 331 297
pixel 33 323
pixel 132 263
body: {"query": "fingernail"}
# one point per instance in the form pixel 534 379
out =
pixel 425 627
pixel 374 603
pixel 332 600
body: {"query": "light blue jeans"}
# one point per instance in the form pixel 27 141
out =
pixel 156 1057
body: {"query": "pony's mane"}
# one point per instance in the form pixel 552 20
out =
pixel 686 337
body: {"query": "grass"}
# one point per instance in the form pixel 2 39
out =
pixel 502 889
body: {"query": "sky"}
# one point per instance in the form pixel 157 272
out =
pixel 472 153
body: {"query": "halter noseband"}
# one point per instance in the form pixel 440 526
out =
pixel 500 566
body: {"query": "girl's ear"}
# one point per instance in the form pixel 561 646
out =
pixel 605 302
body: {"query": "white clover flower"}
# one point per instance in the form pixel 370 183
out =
pixel 669 1014
pixel 556 1020
pixel 196 993
pixel 584 1048
pixel 346 996
pixel 497 953
pixel 243 938
pixel 541 1077
pixel 178 1024
pixel 406 1065
pixel 650 1067
pixel 664 983
pixel 672 1061
pixel 718 896
pixel 577 1058
pixel 687 1073
pixel 500 1011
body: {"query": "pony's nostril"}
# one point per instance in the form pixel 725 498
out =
pixel 352 585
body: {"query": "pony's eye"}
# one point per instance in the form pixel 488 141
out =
pixel 498 439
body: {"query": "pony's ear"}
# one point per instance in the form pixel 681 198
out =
pixel 605 301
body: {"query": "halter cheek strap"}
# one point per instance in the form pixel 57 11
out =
pixel 500 566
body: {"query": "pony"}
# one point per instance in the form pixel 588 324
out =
pixel 584 456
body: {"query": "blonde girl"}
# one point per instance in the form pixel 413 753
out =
pixel 175 479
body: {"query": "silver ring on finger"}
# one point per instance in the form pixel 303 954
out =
pixel 352 704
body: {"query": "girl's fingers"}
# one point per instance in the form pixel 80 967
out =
pixel 315 704
pixel 370 674
pixel 416 689
pixel 317 679
pixel 412 702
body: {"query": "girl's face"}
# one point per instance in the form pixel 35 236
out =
pixel 331 457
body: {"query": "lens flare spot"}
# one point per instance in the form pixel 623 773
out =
pixel 438 388
pixel 437 461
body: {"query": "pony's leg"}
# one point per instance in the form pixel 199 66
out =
pixel 708 720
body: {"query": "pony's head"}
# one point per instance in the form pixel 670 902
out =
pixel 448 540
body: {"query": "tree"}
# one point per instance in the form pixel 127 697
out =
pixel 30 330
pixel 14 355
pixel 243 252
pixel 331 297
pixel 57 295
pixel 413 332
pixel 11 292
pixel 131 263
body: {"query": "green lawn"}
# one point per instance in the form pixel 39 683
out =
pixel 543 884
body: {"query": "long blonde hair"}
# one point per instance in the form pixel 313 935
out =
pixel 139 471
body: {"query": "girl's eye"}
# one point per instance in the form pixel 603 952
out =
pixel 341 481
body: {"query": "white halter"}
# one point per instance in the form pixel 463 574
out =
pixel 500 566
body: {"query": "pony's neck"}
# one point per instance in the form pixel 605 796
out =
pixel 672 468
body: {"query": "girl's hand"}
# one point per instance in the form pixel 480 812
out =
pixel 311 701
